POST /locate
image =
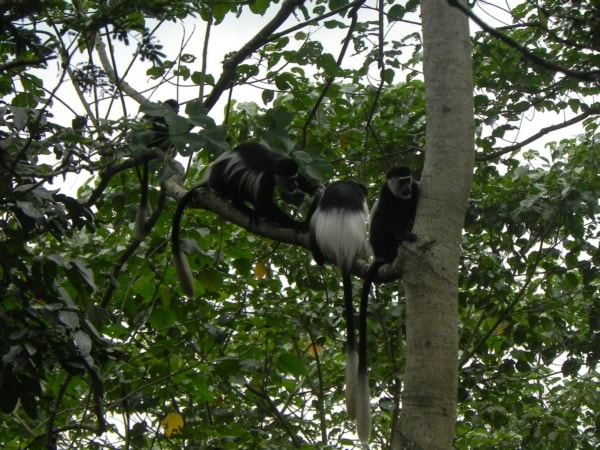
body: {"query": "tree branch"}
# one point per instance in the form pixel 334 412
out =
pixel 119 83
pixel 539 134
pixel 231 63
pixel 111 171
pixel 210 201
pixel 354 18
pixel 593 75
pixel 206 199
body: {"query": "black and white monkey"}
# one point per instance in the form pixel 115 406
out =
pixel 390 224
pixel 247 174
pixel 337 224
pixel 393 214
pixel 160 139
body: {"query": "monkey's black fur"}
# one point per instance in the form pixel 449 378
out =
pixel 247 174
pixel 393 214
pixel 160 139
pixel 160 128
pixel 390 224
pixel 337 227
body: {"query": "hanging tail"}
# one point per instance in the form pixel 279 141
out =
pixel 351 353
pixel 363 397
pixel 182 266
pixel 139 227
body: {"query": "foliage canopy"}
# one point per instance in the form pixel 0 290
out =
pixel 99 348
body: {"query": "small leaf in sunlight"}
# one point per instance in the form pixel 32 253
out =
pixel 313 349
pixel 172 423
pixel 260 271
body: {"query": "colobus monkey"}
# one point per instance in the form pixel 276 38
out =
pixel 338 235
pixel 248 173
pixel 160 140
pixel 390 223
pixel 393 214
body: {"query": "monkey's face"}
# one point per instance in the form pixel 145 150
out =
pixel 401 187
pixel 287 184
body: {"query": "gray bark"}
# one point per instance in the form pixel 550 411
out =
pixel 430 278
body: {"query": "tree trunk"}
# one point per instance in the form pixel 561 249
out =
pixel 431 272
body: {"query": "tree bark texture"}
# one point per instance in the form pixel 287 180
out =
pixel 428 413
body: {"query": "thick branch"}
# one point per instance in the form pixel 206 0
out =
pixel 210 201
pixel 120 83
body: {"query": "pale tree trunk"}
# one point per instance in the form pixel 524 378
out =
pixel 428 413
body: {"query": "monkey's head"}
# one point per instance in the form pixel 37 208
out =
pixel 286 175
pixel 399 180
pixel 173 104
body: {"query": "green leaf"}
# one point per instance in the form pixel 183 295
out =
pixel 259 6
pixel 200 78
pixel 161 318
pixel 329 65
pixel 198 114
pixel 211 279
pixel 396 12
pixel 285 81
pixel 388 75
pixel 84 273
pixel 330 24
pixel 290 363
pixel 69 318
pixel 83 342
pixel 156 72
pixel 267 96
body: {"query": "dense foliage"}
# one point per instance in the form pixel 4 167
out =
pixel 100 349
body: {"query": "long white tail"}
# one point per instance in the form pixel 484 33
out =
pixel 363 408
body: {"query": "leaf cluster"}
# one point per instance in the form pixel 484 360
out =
pixel 100 348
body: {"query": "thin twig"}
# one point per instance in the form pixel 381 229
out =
pixel 272 409
pixel 231 63
pixel 593 75
pixel 354 19
pixel 539 134
pixel 381 65
pixel 209 24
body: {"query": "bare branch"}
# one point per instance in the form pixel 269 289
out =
pixel 315 20
pixel 120 83
pixel 111 171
